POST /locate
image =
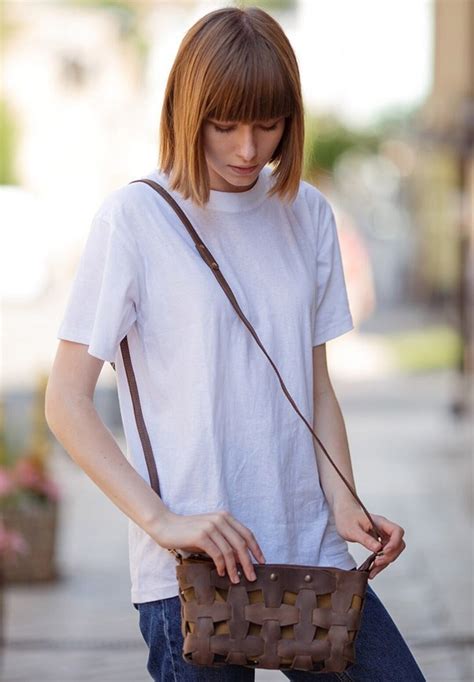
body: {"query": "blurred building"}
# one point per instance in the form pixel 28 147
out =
pixel 83 81
pixel 445 174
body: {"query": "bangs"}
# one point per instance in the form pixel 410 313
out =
pixel 232 65
pixel 249 85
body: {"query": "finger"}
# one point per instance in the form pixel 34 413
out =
pixel 214 551
pixel 395 541
pixel 382 561
pixel 381 530
pixel 367 540
pixel 227 552
pixel 398 551
pixel 388 527
pixel 248 536
pixel 233 546
pixel 379 564
pixel 374 572
pixel 240 548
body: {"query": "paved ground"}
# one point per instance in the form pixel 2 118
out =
pixel 412 463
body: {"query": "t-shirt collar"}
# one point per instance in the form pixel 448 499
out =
pixel 231 202
pixel 238 201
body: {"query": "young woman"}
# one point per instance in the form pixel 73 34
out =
pixel 240 477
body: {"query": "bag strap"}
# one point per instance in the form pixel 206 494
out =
pixel 214 267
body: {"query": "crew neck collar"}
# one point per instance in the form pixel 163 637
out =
pixel 230 202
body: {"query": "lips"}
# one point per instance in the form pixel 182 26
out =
pixel 244 170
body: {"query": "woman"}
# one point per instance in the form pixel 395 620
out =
pixel 238 473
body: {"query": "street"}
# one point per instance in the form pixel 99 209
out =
pixel 412 463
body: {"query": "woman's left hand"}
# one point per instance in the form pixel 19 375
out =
pixel 353 525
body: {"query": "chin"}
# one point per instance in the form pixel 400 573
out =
pixel 236 181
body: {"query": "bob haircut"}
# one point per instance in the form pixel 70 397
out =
pixel 232 65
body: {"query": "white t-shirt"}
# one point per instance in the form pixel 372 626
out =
pixel 223 434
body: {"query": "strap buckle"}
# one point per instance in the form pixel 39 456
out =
pixel 207 256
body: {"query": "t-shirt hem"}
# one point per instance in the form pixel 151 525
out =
pixel 79 336
pixel 141 596
pixel 334 330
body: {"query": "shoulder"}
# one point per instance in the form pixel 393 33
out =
pixel 311 208
pixel 315 200
pixel 127 201
pixel 124 209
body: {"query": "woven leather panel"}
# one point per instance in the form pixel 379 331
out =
pixel 291 617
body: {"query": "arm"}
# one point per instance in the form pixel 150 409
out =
pixel 73 419
pixel 351 522
pixel 331 430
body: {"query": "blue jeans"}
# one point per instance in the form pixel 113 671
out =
pixel 382 654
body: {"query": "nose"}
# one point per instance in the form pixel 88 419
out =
pixel 247 145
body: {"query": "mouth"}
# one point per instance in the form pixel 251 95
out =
pixel 244 169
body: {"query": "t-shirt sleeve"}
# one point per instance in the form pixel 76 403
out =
pixel 332 315
pixel 103 298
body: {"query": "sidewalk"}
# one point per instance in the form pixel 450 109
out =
pixel 412 463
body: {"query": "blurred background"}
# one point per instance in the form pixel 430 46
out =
pixel 388 88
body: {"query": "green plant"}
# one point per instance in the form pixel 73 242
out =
pixel 327 138
pixel 9 133
pixel 435 347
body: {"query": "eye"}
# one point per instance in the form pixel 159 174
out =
pixel 222 130
pixel 229 129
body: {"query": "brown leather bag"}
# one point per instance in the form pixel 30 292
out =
pixel 290 617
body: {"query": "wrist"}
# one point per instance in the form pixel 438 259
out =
pixel 158 525
pixel 343 504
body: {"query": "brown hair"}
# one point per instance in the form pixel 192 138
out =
pixel 232 65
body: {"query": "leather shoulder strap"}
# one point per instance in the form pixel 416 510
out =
pixel 211 262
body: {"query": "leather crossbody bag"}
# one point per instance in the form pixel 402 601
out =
pixel 292 616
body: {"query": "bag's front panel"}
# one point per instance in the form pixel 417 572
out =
pixel 291 617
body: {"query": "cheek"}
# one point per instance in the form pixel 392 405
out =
pixel 214 146
pixel 272 142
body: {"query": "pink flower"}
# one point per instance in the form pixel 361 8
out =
pixel 11 542
pixel 29 474
pixel 7 484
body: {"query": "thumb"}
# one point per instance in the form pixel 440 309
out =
pixel 368 541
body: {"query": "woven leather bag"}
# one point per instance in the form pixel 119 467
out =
pixel 292 616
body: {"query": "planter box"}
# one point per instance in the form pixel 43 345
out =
pixel 37 524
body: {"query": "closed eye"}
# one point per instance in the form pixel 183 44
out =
pixel 219 129
pixel 223 130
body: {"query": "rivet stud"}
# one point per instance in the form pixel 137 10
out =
pixel 307 578
pixel 273 576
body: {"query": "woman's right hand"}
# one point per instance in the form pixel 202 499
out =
pixel 219 534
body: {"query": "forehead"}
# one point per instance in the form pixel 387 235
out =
pixel 248 89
